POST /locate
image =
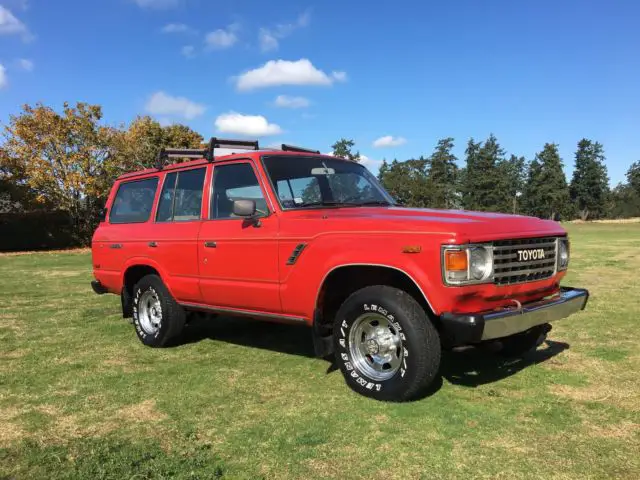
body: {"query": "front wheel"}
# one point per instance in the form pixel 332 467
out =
pixel 385 344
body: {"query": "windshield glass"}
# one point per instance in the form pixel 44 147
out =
pixel 302 182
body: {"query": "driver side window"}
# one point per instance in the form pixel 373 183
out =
pixel 232 182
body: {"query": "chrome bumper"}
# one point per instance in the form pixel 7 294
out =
pixel 473 328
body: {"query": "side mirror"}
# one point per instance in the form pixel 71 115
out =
pixel 102 215
pixel 244 208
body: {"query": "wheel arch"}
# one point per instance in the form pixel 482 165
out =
pixel 134 270
pixel 344 279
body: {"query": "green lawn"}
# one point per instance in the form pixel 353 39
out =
pixel 80 397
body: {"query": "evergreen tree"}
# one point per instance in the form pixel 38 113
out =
pixel 590 184
pixel 511 180
pixel 483 177
pixel 546 192
pixel 624 202
pixel 468 183
pixel 633 177
pixel 407 182
pixel 441 180
pixel 342 148
pixel 384 168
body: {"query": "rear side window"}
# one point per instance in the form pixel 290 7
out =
pixel 134 201
pixel 181 198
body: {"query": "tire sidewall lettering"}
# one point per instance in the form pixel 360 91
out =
pixel 343 354
pixel 136 321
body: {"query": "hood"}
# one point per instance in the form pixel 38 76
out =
pixel 462 225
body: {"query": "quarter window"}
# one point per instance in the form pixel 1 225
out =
pixel 232 182
pixel 134 201
pixel 181 197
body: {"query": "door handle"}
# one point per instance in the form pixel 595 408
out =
pixel 210 244
pixel 153 244
pixel 115 245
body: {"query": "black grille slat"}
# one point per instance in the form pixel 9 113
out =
pixel 508 270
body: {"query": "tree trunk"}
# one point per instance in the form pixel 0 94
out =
pixel 584 214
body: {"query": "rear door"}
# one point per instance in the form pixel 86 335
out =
pixel 173 236
pixel 123 234
pixel 238 256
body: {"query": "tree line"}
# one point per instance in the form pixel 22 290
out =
pixel 56 169
pixel 493 181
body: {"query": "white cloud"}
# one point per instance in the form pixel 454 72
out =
pixel 3 76
pixel 10 25
pixel 177 28
pixel 286 101
pixel 339 76
pixel 285 72
pixel 267 40
pixel 222 38
pixel 389 141
pixel 188 51
pixel 26 64
pixel 161 103
pixel 370 163
pixel 269 37
pixel 159 4
pixel 250 125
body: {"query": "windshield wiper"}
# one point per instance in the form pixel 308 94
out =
pixel 323 203
pixel 375 202
pixel 333 203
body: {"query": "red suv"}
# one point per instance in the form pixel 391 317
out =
pixel 294 236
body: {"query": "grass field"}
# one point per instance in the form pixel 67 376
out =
pixel 80 397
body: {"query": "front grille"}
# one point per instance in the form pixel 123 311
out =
pixel 510 268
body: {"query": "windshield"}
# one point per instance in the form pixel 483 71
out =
pixel 302 182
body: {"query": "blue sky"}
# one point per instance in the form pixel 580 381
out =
pixel 402 73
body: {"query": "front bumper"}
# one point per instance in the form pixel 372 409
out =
pixel 469 328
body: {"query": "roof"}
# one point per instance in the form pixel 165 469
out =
pixel 232 156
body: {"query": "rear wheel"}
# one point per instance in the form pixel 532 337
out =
pixel 386 346
pixel 522 343
pixel 157 317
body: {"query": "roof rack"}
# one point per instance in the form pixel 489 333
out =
pixel 206 153
pixel 293 148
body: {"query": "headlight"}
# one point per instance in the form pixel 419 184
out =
pixel 467 264
pixel 563 253
pixel 480 263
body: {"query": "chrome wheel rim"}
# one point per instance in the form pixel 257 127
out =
pixel 150 312
pixel 375 346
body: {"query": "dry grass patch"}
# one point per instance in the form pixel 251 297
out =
pixel 623 430
pixel 145 411
pixel 10 429
pixel 58 273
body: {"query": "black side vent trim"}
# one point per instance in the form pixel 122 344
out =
pixel 296 253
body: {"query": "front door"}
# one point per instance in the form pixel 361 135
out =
pixel 239 256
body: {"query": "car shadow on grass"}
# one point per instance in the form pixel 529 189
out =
pixel 474 366
pixel 469 367
pixel 276 337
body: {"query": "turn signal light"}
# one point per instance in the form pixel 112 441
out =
pixel 456 260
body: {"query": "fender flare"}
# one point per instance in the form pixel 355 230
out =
pixel 361 264
pixel 148 262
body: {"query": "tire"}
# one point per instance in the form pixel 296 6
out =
pixel 522 343
pixel 381 324
pixel 157 317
